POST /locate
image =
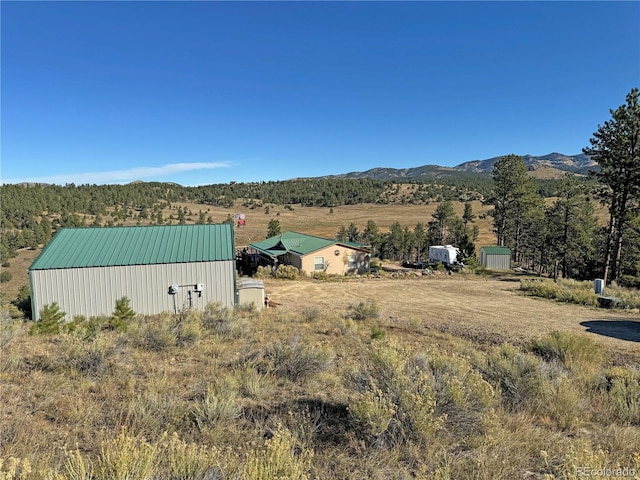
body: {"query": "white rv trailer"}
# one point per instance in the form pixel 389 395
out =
pixel 445 254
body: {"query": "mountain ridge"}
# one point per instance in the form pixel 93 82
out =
pixel 578 164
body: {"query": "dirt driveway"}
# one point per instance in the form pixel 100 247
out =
pixel 485 310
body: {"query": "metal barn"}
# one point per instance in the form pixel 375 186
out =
pixel 495 258
pixel 158 268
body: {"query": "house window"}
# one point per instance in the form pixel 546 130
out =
pixel 352 265
pixel 318 264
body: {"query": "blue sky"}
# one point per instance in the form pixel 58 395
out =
pixel 211 92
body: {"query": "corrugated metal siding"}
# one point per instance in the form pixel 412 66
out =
pixel 117 246
pixel 495 262
pixel 94 291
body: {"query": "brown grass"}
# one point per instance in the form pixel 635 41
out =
pixel 486 310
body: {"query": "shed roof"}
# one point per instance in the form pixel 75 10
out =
pixel 298 243
pixel 496 250
pixel 118 246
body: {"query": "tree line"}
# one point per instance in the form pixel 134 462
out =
pixel 406 244
pixel 32 213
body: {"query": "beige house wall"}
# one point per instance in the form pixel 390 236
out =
pixel 336 261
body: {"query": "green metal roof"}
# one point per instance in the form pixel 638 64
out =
pixel 496 250
pixel 117 246
pixel 299 243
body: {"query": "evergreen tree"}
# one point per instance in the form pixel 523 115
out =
pixel 571 225
pixel 442 227
pixel 121 314
pixel 421 236
pixel 468 215
pixel 371 236
pixel 273 228
pixel 342 235
pixel 51 319
pixel 516 204
pixel 615 146
pixel 352 233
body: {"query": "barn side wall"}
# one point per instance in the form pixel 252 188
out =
pixel 94 291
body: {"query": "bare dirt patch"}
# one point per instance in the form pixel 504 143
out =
pixel 480 309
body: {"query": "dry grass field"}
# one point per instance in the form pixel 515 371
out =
pixel 484 310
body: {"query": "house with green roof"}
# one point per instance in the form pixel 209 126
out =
pixel 312 254
pixel 158 268
pixel 495 258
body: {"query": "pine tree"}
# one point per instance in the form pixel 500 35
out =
pixel 51 319
pixel 273 228
pixel 516 205
pixel 615 146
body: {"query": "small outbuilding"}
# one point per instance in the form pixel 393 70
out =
pixel 312 254
pixel 158 268
pixel 495 258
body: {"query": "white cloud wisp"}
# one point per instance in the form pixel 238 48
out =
pixel 121 176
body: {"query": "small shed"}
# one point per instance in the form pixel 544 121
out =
pixel 495 258
pixel 158 268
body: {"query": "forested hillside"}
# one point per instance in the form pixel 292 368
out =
pixel 30 214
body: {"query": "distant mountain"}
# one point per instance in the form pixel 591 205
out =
pixel 399 173
pixel 579 164
pixel 568 163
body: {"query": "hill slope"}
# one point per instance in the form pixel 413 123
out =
pixel 580 164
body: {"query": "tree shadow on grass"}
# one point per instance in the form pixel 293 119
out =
pixel 628 330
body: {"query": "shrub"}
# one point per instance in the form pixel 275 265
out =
pixel 463 397
pixel 250 382
pixel 295 361
pixel 517 375
pixel 364 310
pixel 373 412
pixel 397 398
pixel 623 392
pixel 51 319
pixel 189 461
pixel 263 272
pixel 320 275
pixel 23 301
pixel 155 333
pixel 569 349
pixel 563 403
pixel 90 328
pixel 189 329
pixel 220 404
pixel 5 276
pixel 570 291
pixel 378 333
pixel 126 457
pixel 287 272
pixel 281 457
pixel 222 321
pixel 88 358
pixel 311 314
